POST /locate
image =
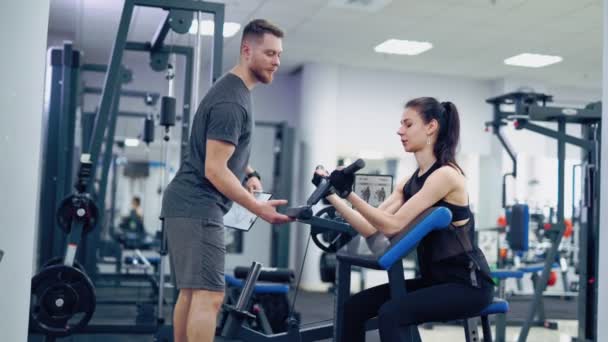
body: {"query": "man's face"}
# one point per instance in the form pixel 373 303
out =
pixel 263 56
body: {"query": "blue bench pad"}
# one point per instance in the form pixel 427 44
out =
pixel 260 288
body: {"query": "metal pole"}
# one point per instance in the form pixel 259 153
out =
pixel 187 102
pixel 541 283
pixel 197 61
pixel 163 241
pixel 110 83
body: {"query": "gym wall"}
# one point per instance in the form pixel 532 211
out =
pixel 20 138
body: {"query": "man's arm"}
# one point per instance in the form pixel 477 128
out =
pixel 253 183
pixel 218 153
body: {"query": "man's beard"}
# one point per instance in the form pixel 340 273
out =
pixel 261 75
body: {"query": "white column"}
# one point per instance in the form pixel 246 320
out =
pixel 490 180
pixel 602 308
pixel 23 34
pixel 316 137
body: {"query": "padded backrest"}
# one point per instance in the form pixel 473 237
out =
pixel 403 243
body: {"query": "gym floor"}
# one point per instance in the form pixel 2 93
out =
pixel 315 307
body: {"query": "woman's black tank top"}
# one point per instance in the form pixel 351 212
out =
pixel 449 255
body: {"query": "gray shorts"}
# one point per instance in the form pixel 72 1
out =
pixel 197 252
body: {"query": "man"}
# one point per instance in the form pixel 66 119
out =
pixel 134 222
pixel 210 179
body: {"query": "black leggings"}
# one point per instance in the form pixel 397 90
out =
pixel 423 302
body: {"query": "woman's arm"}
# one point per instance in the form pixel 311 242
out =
pixel 395 200
pixel 358 222
pixel 439 184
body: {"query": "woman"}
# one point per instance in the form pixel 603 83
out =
pixel 455 281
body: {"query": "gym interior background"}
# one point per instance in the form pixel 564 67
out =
pixel 334 99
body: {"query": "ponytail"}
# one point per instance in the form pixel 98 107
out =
pixel 448 136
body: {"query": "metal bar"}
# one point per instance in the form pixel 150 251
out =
pixel 510 151
pixel 470 330
pixel 63 183
pixel 161 33
pixel 128 114
pixel 283 189
pixel 585 144
pixel 110 84
pixel 487 331
pixel 138 46
pixel 122 328
pixel 561 168
pixel 247 291
pixel 70 117
pixel 569 115
pixel 48 226
pixel 146 47
pixel 589 271
pixel 507 146
pixel 575 219
pixel 113 192
pixel 541 283
pixel 127 75
pixel 314 332
pixel 188 55
pixel 235 319
pixel 202 6
pixel 398 292
pixel 343 281
pixel 91 241
pixel 127 93
pixel 218 42
pixel 95 67
pixel 87 120
pixel 107 159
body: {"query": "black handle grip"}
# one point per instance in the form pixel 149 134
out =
pixel 301 213
pixel 354 167
pixel 319 192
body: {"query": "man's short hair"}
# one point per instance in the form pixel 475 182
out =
pixel 258 27
pixel 136 200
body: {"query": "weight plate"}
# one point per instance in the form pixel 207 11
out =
pixel 62 300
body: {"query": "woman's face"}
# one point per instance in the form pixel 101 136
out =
pixel 413 131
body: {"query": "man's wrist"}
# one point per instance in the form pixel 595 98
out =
pixel 254 173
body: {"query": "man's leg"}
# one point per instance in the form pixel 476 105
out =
pixel 180 315
pixel 204 307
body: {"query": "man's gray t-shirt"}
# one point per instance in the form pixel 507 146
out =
pixel 224 114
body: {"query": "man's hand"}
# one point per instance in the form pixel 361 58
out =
pixel 254 184
pixel 268 212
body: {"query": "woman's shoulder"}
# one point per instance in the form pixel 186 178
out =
pixel 448 173
pixel 403 182
pixel 449 169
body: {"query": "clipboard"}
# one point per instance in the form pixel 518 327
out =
pixel 242 219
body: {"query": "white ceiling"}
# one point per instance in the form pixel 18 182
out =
pixel 471 38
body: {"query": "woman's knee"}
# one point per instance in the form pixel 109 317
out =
pixel 392 313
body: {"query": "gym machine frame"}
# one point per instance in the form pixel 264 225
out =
pixel 109 159
pixel 158 61
pixel 179 15
pixel 533 107
pixel 179 18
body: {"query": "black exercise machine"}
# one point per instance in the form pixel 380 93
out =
pixel 525 110
pixel 350 254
